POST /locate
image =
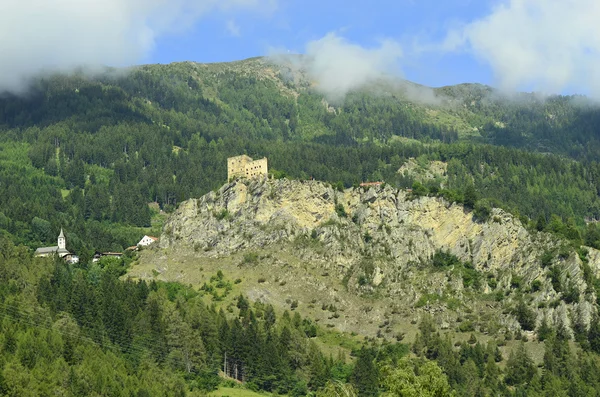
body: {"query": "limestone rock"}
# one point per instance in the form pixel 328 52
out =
pixel 377 239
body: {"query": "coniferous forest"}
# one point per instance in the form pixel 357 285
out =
pixel 83 331
pixel 89 154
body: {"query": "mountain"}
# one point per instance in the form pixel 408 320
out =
pixel 84 153
pixel 373 260
pixel 472 262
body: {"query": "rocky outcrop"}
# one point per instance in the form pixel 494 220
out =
pixel 379 222
pixel 378 240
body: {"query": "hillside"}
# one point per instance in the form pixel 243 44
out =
pixel 97 148
pixel 474 267
pixel 372 261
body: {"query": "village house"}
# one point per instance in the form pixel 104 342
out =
pixel 60 250
pixel 146 241
pixel 245 167
pixel 99 255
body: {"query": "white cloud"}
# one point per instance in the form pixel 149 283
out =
pixel 51 35
pixel 233 28
pixel 338 66
pixel 546 45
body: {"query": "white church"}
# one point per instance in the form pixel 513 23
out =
pixel 60 249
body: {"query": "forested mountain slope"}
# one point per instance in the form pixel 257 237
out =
pixel 89 154
pixel 86 153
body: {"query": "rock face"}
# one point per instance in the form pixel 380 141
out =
pixel 378 222
pixel 379 241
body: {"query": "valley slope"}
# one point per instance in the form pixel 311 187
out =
pixel 372 260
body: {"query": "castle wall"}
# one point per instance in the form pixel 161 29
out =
pixel 256 168
pixel 244 166
pixel 236 166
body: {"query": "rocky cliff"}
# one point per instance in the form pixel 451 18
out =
pixel 362 259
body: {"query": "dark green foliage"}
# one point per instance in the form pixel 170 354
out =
pixel 471 196
pixel 419 190
pixel 525 316
pixel 594 334
pixel 555 277
pixel 340 210
pixel 516 281
pixel 519 367
pixel 445 260
pixel 544 331
pixel 144 335
pixel 547 258
pixel 364 376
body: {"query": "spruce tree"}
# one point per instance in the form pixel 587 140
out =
pixel 365 374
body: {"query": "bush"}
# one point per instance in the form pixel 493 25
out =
pixel 482 210
pixel 525 316
pixel 340 210
pixel 442 259
pixel 251 258
pixel 554 275
pixel 516 281
pixel 546 258
pixel 223 214
pixel 418 189
pixel 466 326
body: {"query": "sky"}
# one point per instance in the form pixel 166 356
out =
pixel 547 46
pixel 293 24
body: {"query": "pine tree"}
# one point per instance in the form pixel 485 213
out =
pixel 520 368
pixel 365 374
pixel 594 334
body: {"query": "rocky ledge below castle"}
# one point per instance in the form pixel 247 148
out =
pixel 380 222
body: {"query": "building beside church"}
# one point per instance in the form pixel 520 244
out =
pixel 60 250
pixel 245 167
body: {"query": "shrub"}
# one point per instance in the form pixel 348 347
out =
pixel 525 316
pixel 466 326
pixel 251 258
pixel 223 214
pixel 546 258
pixel 516 281
pixel 482 210
pixel 340 210
pixel 536 285
pixel 554 275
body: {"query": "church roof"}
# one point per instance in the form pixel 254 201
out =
pixel 49 250
pixel 61 235
pixel 46 250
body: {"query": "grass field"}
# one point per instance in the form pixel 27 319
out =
pixel 235 392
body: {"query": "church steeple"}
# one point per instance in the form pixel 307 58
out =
pixel 62 241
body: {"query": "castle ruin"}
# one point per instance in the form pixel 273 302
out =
pixel 245 166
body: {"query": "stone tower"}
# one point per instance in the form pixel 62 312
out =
pixel 62 241
pixel 245 167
